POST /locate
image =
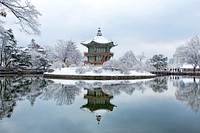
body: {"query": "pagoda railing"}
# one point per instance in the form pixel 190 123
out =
pixel 97 54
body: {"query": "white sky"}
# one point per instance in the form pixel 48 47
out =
pixel 149 26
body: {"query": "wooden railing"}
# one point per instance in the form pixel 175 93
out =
pixel 165 73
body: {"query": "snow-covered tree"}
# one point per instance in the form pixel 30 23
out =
pixel 30 58
pixel 50 52
pixel 159 62
pixel 8 46
pixel 20 60
pixel 25 12
pixel 129 59
pixel 141 56
pixel 36 56
pixel 125 64
pixel 112 64
pixel 129 62
pixel 190 53
pixel 39 60
pixel 68 53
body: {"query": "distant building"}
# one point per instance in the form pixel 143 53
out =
pixel 98 49
pixel 178 64
pixel 175 63
pixel 33 46
pixel 189 68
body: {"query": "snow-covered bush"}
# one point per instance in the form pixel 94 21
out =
pixel 80 70
pixel 89 68
pixel 97 70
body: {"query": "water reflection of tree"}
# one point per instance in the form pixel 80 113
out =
pixel 158 84
pixel 189 93
pixel 62 94
pixel 18 88
pixel 7 101
pixel 31 88
pixel 115 88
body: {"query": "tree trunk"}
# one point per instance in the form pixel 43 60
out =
pixel 2 51
pixel 194 79
pixel 194 70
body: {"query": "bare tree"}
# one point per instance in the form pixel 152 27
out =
pixel 26 14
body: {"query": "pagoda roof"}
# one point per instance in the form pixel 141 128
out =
pixel 99 39
pixel 95 107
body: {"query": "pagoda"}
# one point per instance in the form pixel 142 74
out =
pixel 98 49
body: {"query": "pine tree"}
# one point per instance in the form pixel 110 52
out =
pixel 159 62
pixel 8 47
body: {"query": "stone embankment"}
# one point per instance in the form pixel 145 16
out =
pixel 11 72
pixel 88 77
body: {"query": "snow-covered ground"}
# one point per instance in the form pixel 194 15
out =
pixel 72 71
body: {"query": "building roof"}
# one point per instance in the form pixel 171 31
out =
pixel 188 66
pixel 99 38
pixel 36 47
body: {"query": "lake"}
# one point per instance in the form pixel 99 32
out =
pixel 159 105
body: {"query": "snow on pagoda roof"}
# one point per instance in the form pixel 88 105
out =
pixel 99 38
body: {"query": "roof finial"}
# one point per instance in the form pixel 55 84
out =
pixel 99 32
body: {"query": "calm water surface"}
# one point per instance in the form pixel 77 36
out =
pixel 160 105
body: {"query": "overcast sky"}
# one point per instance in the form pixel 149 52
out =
pixel 149 26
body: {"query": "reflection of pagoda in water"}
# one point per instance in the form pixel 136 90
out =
pixel 98 102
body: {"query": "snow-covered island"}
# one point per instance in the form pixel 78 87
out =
pixel 99 63
pixel 94 73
